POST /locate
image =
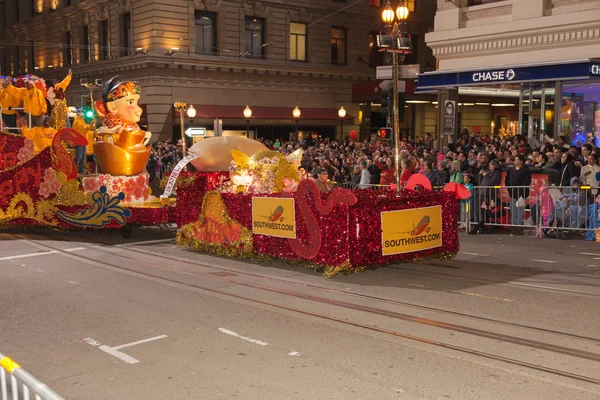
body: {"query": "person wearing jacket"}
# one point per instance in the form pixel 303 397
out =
pixel 10 97
pixel 456 175
pixel 41 135
pixel 33 102
pixel 519 175
pixel 86 130
pixel 567 169
pixel 489 177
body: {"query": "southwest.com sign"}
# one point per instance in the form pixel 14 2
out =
pixel 407 231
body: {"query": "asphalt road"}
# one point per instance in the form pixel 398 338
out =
pixel 98 317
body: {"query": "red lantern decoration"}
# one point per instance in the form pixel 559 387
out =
pixel 353 135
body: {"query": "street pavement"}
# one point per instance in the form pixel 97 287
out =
pixel 96 316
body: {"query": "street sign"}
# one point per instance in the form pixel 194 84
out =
pixel 404 71
pixel 195 132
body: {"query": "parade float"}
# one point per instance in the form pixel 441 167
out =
pixel 242 199
pixel 39 184
pixel 254 205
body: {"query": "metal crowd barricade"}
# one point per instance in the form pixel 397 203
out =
pixel 567 208
pixel 348 185
pixel 23 380
pixel 16 127
pixel 503 206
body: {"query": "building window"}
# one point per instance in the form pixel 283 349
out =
pixel 17 11
pixel 67 45
pixel 3 62
pixel 297 41
pixel 409 3
pixel 126 34
pixel 480 2
pixel 376 58
pixel 206 32
pixel 338 46
pixel 85 41
pixel 103 44
pixel 255 37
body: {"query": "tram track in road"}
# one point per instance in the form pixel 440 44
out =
pixel 439 324
pixel 104 245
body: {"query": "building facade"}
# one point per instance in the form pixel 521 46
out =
pixel 219 55
pixel 540 54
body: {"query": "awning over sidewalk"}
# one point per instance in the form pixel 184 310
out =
pixel 270 113
pixel 547 72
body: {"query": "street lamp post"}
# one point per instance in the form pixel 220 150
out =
pixel 91 86
pixel 247 115
pixel 342 115
pixel 396 41
pixel 296 113
pixel 191 113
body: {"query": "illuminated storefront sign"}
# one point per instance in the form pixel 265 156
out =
pixel 568 71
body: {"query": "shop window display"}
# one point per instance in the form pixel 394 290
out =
pixel 580 112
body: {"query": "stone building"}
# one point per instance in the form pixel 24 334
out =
pixel 219 55
pixel 539 56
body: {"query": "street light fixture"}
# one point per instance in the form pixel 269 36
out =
pixel 247 115
pixel 342 115
pixel 396 41
pixel 296 113
pixel 191 113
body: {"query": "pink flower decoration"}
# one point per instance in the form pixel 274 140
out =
pixel 26 152
pixel 44 190
pixel 91 185
pixel 50 185
pixel 104 180
pixel 117 185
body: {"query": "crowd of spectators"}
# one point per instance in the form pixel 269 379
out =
pixel 163 158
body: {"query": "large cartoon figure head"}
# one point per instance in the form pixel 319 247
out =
pixel 121 98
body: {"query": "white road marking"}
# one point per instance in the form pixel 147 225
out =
pixel 592 265
pixel 294 354
pixel 43 253
pixel 549 287
pixel 474 254
pixel 147 242
pixel 590 254
pixel 114 351
pixel 121 356
pixel 237 335
pixel 140 342
pixel 546 261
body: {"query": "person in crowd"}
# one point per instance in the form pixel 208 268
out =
pixel 571 208
pixel 322 180
pixel 590 173
pixel 388 174
pixel 431 173
pixel 443 173
pixel 567 169
pixel 10 98
pixel 59 116
pixel 518 176
pixel 356 175
pixel 86 130
pixel 40 135
pixel 365 176
pixel 406 173
pixel 489 177
pixel 375 173
pixel 34 103
pixel 456 174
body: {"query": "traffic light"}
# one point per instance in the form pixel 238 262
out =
pixel 385 133
pixel 385 103
pixel 88 112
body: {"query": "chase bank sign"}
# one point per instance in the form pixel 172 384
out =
pixel 595 70
pixel 493 76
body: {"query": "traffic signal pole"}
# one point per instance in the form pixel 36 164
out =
pixel 396 120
